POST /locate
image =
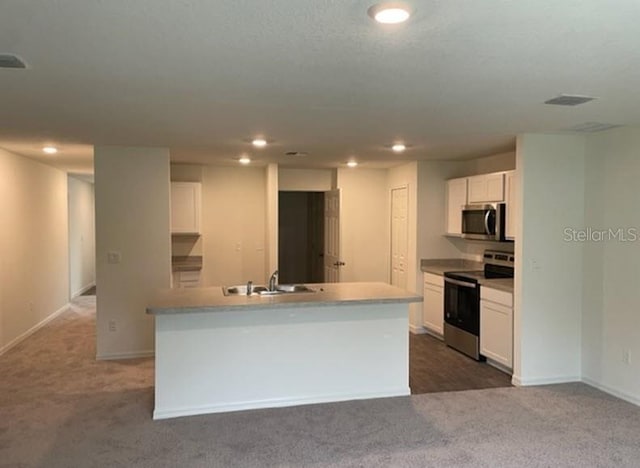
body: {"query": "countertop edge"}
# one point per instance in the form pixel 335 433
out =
pixel 279 305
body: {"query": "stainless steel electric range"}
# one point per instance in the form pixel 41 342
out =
pixel 462 301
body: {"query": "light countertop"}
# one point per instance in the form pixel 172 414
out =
pixel 199 300
pixel 503 284
pixel 439 266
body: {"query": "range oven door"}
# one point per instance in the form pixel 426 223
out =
pixel 462 304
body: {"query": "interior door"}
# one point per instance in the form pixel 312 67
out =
pixel 332 262
pixel 399 236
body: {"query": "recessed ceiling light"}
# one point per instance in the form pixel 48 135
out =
pixel 398 147
pixel 244 160
pixel 50 149
pixel 352 164
pixel 390 13
pixel 259 142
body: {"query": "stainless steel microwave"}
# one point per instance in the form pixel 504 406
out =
pixel 484 222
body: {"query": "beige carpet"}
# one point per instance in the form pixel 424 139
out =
pixel 61 408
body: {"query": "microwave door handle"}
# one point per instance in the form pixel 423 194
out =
pixel 486 222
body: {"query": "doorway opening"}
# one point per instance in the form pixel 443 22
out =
pixel 301 237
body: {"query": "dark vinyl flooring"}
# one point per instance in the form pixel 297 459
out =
pixel 434 367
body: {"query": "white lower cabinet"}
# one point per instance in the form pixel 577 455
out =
pixel 433 305
pixel 186 279
pixel 496 326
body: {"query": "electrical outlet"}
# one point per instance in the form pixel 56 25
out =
pixel 114 257
pixel 112 326
pixel 626 356
pixel 30 306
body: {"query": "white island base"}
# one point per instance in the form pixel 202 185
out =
pixel 217 361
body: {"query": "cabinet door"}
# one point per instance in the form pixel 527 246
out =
pixel 486 188
pixel 495 187
pixel 496 333
pixel 510 199
pixel 433 308
pixel 456 199
pixel 186 279
pixel 185 207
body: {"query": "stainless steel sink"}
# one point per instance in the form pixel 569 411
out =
pixel 294 288
pixel 241 290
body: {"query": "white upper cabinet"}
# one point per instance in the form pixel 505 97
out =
pixel 185 207
pixel 486 188
pixel 510 200
pixel 456 199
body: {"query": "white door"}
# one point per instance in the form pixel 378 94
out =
pixel 332 262
pixel 399 234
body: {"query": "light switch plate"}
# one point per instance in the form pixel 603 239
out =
pixel 114 257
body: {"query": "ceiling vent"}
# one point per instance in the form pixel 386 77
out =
pixel 569 100
pixel 11 61
pixel 296 153
pixel 592 127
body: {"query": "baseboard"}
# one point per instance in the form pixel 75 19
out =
pixel 32 330
pixel 612 391
pixel 274 403
pixel 416 330
pixel 125 355
pixel 434 334
pixel 520 382
pixel 83 290
pixel 499 366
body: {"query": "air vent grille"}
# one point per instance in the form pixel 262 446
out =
pixel 592 127
pixel 11 61
pixel 569 100
pixel 296 153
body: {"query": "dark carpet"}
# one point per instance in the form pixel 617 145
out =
pixel 61 408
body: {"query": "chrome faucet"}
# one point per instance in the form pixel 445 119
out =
pixel 273 281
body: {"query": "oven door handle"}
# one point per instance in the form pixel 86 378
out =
pixel 460 283
pixel 486 222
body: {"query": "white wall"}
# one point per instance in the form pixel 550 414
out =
pixel 234 231
pixel 82 245
pixel 132 218
pixel 364 224
pixel 548 283
pixel 34 268
pixel 493 163
pixel 431 209
pixel 305 180
pixel 611 297
pixel 181 172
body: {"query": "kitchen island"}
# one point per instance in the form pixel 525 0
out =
pixel 217 353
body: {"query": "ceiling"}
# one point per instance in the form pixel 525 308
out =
pixel 460 79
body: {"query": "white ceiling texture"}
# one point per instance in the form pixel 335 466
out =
pixel 460 79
